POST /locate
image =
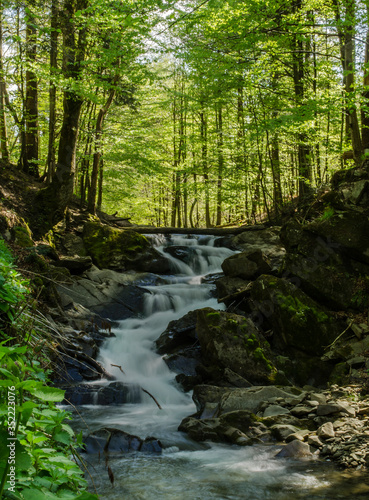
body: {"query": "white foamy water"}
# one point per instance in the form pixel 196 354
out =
pixel 186 470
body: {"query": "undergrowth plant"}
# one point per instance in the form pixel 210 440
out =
pixel 38 449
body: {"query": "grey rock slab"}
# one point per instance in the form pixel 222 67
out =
pixel 326 431
pixel 273 410
pixel 250 398
pixel 282 431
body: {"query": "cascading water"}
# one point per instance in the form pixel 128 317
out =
pixel 186 470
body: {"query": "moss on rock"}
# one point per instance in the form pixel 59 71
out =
pixel 113 248
pixel 23 235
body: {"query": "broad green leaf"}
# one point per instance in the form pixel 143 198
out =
pixel 46 393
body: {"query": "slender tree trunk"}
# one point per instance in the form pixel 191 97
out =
pixel 346 38
pixel 205 168
pixel 101 182
pixel 91 204
pixel 365 106
pixel 219 127
pixel 50 162
pixel 304 150
pixel 30 158
pixel 3 130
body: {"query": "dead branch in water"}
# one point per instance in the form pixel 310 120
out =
pixel 118 366
pixel 151 396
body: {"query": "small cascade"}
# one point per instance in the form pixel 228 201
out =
pixel 186 469
pixel 132 348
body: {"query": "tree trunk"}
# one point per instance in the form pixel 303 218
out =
pixel 30 158
pixel 219 126
pixel 365 106
pixel 204 161
pixel 55 198
pixel 50 162
pixel 3 131
pixel 346 38
pixel 91 205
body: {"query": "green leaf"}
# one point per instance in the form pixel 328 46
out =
pixel 62 437
pixel 46 393
pixel 33 494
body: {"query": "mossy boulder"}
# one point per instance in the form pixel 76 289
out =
pixel 332 286
pixel 296 320
pixel 231 341
pixel 22 235
pixel 347 233
pixel 121 249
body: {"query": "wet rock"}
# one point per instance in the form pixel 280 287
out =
pixel 186 254
pixel 111 299
pixel 297 320
pixel 295 449
pixel 121 249
pixel 246 265
pixel 179 333
pixel 114 393
pixel 186 362
pixel 109 440
pixel 232 341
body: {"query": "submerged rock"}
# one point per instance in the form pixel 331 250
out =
pixel 107 440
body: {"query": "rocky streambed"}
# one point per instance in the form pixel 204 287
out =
pixel 278 357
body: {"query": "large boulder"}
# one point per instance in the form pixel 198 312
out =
pixel 246 265
pixel 296 320
pixel 179 334
pixel 232 341
pixel 121 249
pixel 332 286
pixel 348 231
pixel 266 240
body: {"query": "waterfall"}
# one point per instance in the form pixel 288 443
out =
pixel 133 346
pixel 186 470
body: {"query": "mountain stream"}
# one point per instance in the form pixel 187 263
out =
pixel 186 470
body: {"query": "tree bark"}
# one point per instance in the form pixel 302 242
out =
pixel 91 205
pixel 30 158
pixel 50 162
pixel 365 105
pixel 55 198
pixel 3 130
pixel 346 40
pixel 219 126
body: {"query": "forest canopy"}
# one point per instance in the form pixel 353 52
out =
pixel 189 113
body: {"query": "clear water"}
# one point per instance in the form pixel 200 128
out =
pixel 189 470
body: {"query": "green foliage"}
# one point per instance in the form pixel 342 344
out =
pixel 327 214
pixel 12 288
pixel 39 458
